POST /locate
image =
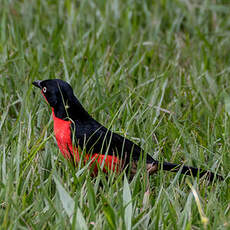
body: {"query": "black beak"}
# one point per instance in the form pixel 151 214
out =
pixel 37 84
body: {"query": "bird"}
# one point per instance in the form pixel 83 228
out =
pixel 81 138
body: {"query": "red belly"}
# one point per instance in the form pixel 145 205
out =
pixel 62 133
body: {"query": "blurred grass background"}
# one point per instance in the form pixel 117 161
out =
pixel 155 71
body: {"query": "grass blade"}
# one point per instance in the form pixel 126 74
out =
pixel 127 203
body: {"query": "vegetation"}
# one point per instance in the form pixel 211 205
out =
pixel 154 71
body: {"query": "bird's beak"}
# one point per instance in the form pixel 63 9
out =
pixel 37 84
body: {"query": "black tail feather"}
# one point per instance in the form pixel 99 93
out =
pixel 191 171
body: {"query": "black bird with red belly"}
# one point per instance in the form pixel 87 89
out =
pixel 74 128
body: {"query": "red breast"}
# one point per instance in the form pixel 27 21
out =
pixel 62 132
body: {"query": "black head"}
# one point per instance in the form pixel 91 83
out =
pixel 55 91
pixel 59 95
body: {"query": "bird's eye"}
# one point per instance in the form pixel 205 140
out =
pixel 44 89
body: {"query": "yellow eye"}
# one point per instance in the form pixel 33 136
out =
pixel 44 89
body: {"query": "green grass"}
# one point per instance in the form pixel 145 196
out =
pixel 155 71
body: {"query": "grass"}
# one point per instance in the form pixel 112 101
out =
pixel 154 71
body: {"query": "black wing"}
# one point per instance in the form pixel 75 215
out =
pixel 95 138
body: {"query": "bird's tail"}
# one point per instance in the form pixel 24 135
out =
pixel 188 170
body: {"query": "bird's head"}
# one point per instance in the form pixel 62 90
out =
pixel 58 94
